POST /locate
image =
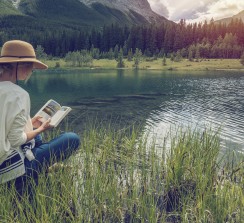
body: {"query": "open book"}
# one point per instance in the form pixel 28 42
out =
pixel 53 110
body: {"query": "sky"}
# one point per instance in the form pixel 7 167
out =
pixel 196 11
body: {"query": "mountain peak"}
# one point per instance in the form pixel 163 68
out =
pixel 141 7
pixel 123 5
pixel 240 15
pixel 88 12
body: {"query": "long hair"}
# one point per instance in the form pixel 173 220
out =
pixel 5 67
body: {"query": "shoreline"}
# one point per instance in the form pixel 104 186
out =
pixel 184 65
pixel 67 69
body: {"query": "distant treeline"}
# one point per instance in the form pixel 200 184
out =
pixel 207 40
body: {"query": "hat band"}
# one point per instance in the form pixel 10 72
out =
pixel 19 56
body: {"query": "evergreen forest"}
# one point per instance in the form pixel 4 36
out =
pixel 205 40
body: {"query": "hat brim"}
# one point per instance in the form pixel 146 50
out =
pixel 36 63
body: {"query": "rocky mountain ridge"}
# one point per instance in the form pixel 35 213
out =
pixel 141 7
pixel 240 15
pixel 138 11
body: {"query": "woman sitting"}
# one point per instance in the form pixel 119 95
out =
pixel 23 155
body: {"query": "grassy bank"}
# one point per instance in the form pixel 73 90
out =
pixel 116 178
pixel 185 65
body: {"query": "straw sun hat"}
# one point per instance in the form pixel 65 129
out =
pixel 14 51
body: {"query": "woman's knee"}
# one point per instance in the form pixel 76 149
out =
pixel 72 139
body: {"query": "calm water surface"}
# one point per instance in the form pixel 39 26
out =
pixel 159 101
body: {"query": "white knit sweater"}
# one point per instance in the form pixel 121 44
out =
pixel 14 123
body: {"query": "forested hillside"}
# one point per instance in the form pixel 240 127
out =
pixel 57 26
pixel 61 11
pixel 201 40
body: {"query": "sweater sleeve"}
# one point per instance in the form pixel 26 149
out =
pixel 16 135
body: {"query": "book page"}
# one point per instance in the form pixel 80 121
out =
pixel 59 115
pixel 49 110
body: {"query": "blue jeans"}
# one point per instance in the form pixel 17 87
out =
pixel 46 154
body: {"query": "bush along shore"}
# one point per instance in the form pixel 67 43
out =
pixel 118 177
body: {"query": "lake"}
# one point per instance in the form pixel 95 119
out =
pixel 160 102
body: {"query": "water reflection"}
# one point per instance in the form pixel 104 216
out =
pixel 155 100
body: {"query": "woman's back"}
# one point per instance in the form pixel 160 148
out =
pixel 13 100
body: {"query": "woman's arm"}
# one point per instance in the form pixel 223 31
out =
pixel 18 137
pixel 43 127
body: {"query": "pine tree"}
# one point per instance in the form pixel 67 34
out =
pixel 197 55
pixel 190 55
pixel 125 49
pixel 242 59
pixel 150 41
pixel 137 58
pixel 178 57
pixel 164 60
pixel 178 43
pixel 111 54
pixel 161 53
pixel 169 38
pixel 40 54
pixel 116 51
pixel 120 59
pixel 130 55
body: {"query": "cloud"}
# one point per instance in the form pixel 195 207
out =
pixel 219 9
pixel 196 11
pixel 226 7
pixel 160 7
pixel 175 9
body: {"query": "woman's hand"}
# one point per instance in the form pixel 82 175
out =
pixel 45 126
pixel 36 122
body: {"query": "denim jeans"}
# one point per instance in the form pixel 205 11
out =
pixel 46 154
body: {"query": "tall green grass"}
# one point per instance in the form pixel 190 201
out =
pixel 117 177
